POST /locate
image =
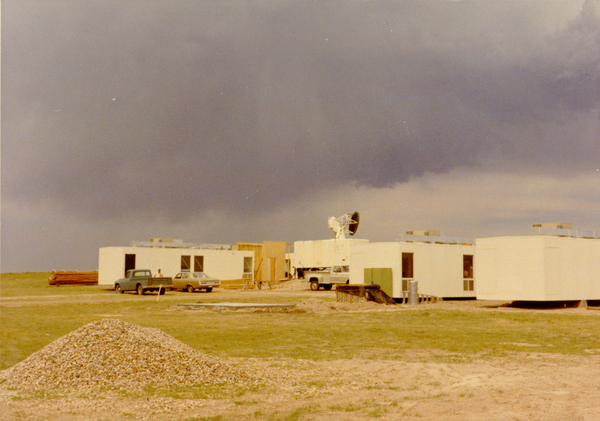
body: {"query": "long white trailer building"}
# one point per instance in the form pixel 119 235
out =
pixel 538 268
pixel 171 258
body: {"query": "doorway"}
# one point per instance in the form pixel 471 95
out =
pixel 129 263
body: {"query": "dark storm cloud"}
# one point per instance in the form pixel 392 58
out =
pixel 113 108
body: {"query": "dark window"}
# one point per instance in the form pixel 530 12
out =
pixel 185 263
pixel 129 262
pixel 468 283
pixel 467 266
pixel 198 263
pixel 407 265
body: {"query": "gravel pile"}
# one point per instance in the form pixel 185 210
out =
pixel 118 354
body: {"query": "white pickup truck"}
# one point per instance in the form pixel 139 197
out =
pixel 327 278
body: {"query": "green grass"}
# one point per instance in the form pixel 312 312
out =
pixel 218 391
pixel 451 335
pixel 35 284
pixel 442 335
pixel 369 408
pixel 23 284
pixel 294 415
pixel 210 418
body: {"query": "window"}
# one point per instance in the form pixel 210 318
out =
pixel 141 273
pixel 198 263
pixel 407 269
pixel 468 266
pixel 468 282
pixel 247 267
pixel 185 263
pixel 407 265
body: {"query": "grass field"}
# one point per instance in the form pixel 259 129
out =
pixel 453 336
pixel 35 285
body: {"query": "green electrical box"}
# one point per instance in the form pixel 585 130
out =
pixel 381 277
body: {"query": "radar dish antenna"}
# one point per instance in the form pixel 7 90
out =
pixel 345 224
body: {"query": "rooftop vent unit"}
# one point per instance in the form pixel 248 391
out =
pixel 558 229
pixel 175 244
pixel 555 225
pixel 435 233
pixel 434 237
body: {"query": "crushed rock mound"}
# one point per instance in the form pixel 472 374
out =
pixel 114 353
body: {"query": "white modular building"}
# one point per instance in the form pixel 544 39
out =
pixel 219 261
pixel 552 265
pixel 323 253
pixel 443 266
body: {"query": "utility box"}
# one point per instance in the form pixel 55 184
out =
pixel 413 292
pixel 382 277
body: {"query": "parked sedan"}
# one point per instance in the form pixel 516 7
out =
pixel 191 281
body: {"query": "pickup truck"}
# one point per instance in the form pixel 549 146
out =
pixel 141 280
pixel 327 278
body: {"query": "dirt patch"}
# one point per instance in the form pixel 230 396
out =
pixel 292 284
pixel 316 305
pixel 524 387
pixel 311 305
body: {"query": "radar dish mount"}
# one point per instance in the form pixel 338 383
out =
pixel 345 224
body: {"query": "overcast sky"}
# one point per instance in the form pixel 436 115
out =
pixel 233 121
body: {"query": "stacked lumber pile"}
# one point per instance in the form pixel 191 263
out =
pixel 73 277
pixel 237 284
